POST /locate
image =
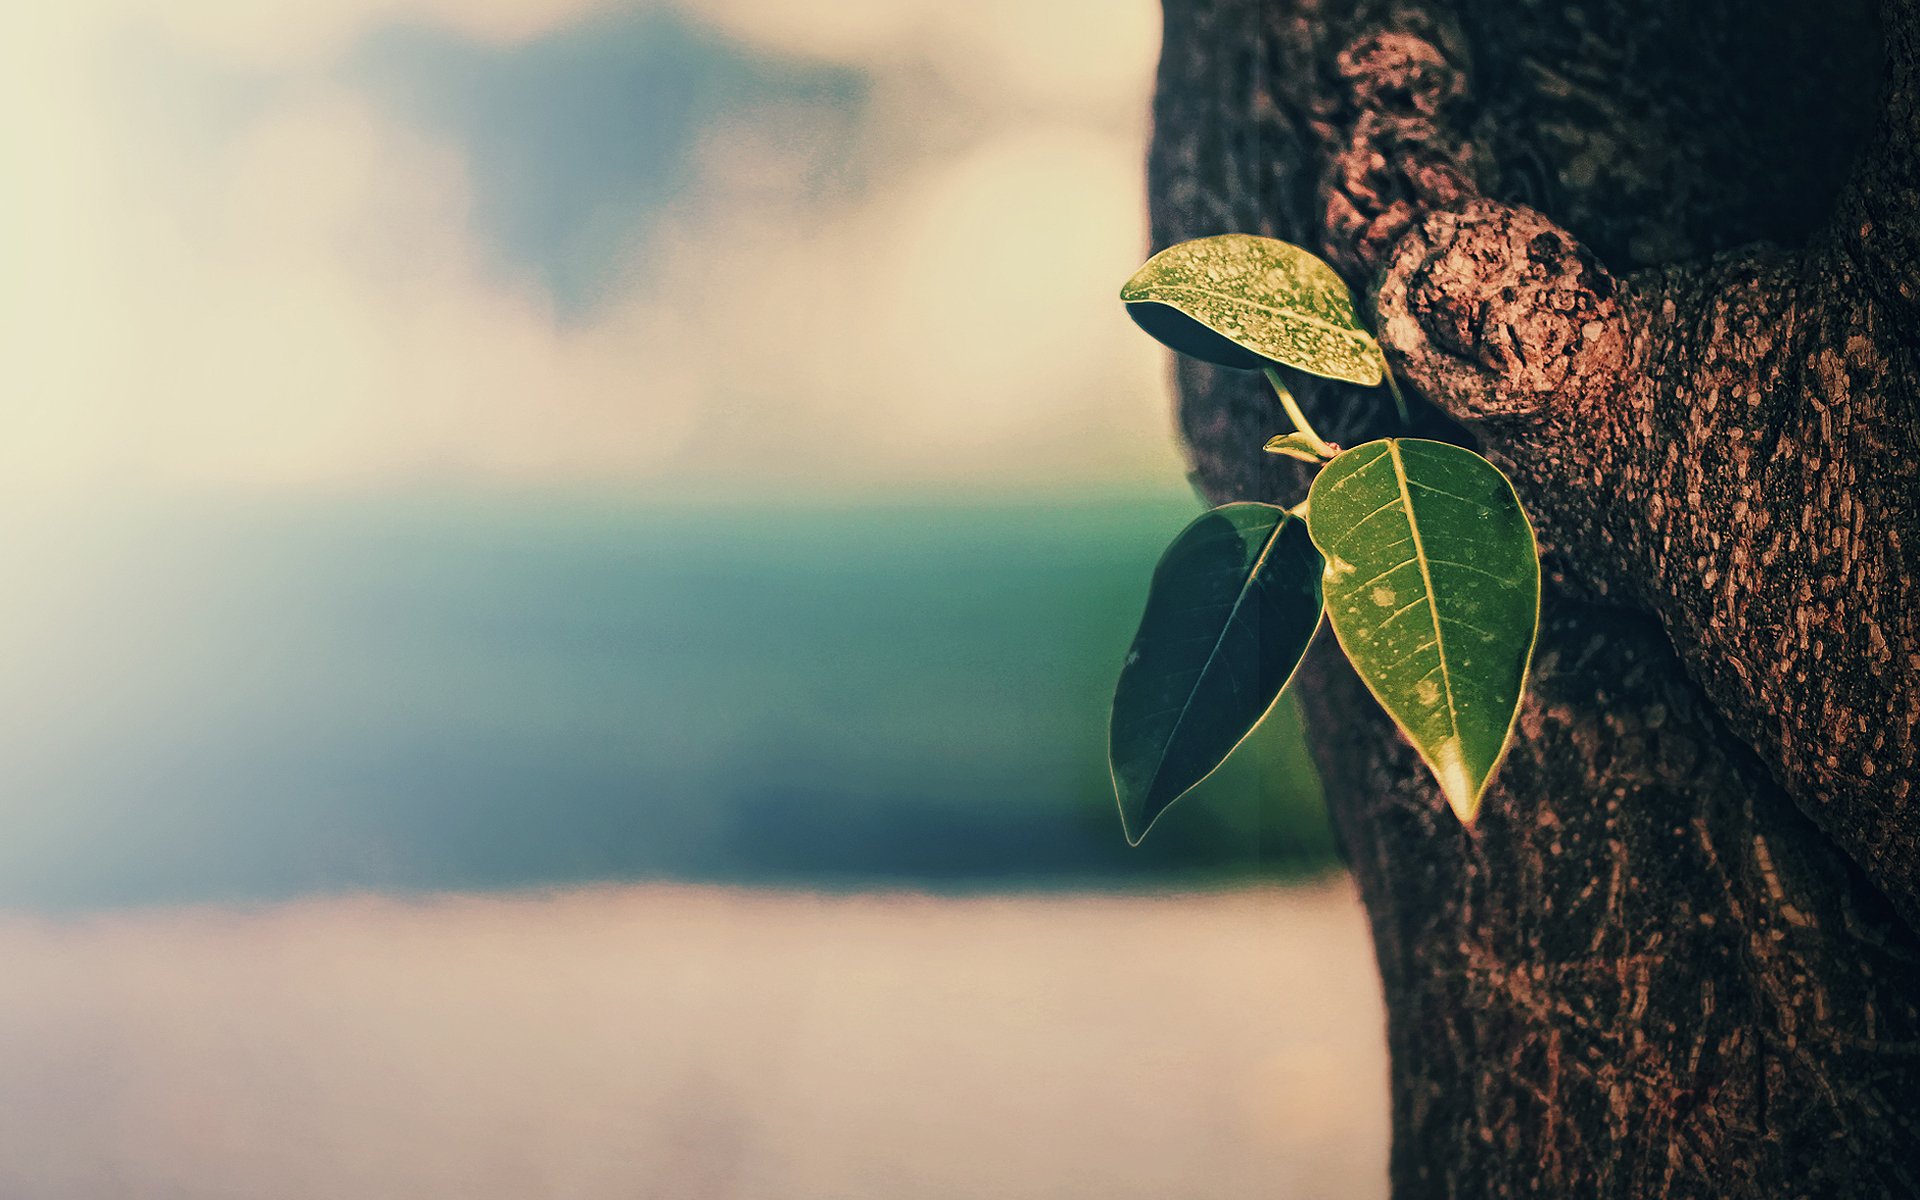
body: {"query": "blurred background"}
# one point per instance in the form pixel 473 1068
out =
pixel 565 562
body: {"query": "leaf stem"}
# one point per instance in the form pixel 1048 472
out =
pixel 1299 418
pixel 1399 401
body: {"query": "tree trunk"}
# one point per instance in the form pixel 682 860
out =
pixel 1661 261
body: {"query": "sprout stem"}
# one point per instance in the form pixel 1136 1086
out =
pixel 1299 418
pixel 1399 401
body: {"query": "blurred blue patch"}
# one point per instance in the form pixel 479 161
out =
pixel 211 702
pixel 579 138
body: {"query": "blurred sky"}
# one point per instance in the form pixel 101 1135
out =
pixel 479 443
pixel 835 245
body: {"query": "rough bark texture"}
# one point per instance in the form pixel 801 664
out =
pixel 1661 261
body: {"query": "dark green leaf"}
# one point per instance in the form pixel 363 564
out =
pixel 1234 602
pixel 1433 588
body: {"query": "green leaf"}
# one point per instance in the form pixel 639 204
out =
pixel 1234 602
pixel 1245 301
pixel 1433 588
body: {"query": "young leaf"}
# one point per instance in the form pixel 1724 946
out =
pixel 1245 301
pixel 1433 588
pixel 1295 445
pixel 1233 604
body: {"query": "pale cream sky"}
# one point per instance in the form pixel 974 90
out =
pixel 205 315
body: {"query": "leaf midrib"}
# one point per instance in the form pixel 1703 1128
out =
pixel 1426 578
pixel 1225 297
pixel 1226 626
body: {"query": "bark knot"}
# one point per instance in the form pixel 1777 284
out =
pixel 1495 311
pixel 1400 74
pixel 1397 153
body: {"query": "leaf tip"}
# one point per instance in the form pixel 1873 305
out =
pixel 1295 445
pixel 1457 784
pixel 1132 826
pixel 1465 808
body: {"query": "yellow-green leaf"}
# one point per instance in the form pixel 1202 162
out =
pixel 1245 301
pixel 1433 588
pixel 1296 445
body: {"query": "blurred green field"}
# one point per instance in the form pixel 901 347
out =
pixel 431 691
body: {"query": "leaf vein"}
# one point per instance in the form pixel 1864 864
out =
pixel 1246 589
pixel 1347 537
pixel 1427 487
pixel 1448 562
pixel 1426 574
pixel 1371 580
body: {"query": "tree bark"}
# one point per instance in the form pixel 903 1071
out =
pixel 1661 262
